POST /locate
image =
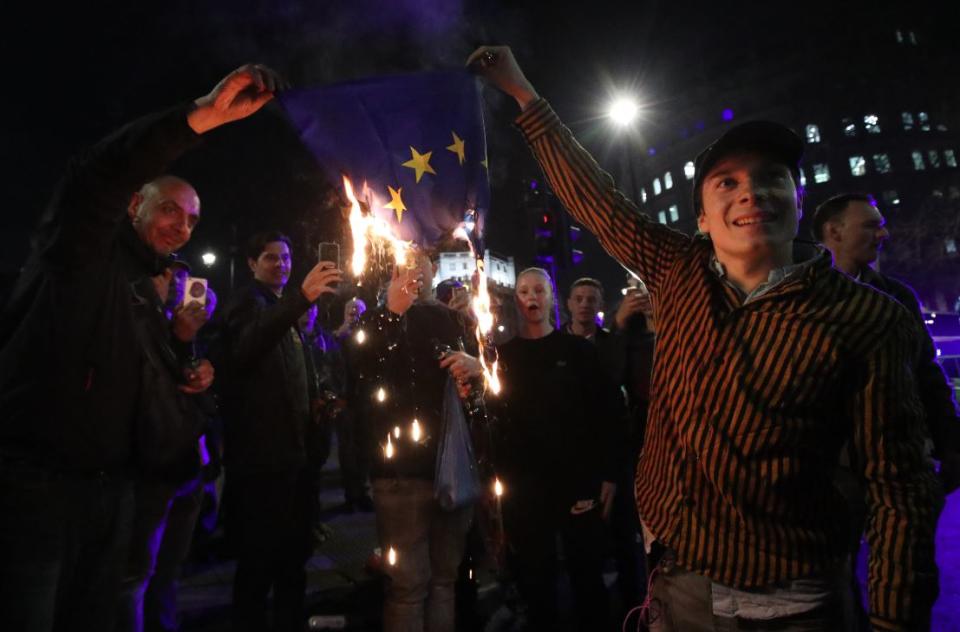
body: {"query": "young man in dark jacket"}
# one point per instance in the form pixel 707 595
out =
pixel 67 426
pixel 269 387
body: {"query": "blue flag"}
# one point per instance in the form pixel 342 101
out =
pixel 415 142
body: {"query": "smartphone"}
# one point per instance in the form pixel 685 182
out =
pixel 195 292
pixel 633 283
pixel 330 251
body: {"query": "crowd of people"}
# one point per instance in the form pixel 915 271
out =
pixel 758 406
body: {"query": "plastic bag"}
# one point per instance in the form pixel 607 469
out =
pixel 457 479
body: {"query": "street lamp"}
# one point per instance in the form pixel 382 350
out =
pixel 623 111
pixel 208 259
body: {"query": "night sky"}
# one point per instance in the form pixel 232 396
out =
pixel 73 74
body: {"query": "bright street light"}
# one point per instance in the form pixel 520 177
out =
pixel 208 259
pixel 623 111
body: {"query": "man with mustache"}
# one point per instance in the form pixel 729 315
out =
pixel 771 362
pixel 851 227
pixel 73 391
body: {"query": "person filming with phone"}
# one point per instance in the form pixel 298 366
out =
pixel 269 387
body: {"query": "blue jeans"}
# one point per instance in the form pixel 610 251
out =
pixel 429 543
pixel 63 546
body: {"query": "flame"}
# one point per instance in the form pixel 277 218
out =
pixel 396 431
pixel 369 230
pixel 482 312
pixel 361 337
pixel 388 449
pixel 381 395
pixel 391 556
pixel 497 488
pixel 415 431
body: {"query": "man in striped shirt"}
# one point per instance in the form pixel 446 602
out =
pixel 771 362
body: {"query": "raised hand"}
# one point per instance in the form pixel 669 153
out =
pixel 635 302
pixel 498 66
pixel 404 289
pixel 237 96
pixel 322 279
pixel 187 321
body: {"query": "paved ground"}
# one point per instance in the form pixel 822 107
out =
pixel 339 584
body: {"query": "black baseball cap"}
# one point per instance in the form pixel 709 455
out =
pixel 177 262
pixel 764 137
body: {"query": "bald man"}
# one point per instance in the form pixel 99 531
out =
pixel 80 341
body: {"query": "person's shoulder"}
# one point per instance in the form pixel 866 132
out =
pixel 901 291
pixel 858 304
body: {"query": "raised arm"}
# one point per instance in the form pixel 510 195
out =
pixel 253 327
pixel 903 496
pixel 91 199
pixel 588 193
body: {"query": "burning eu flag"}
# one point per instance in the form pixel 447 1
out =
pixel 414 143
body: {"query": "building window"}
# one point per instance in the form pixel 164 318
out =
pixel 667 180
pixel 933 156
pixel 950 158
pixel 813 133
pixel 918 164
pixel 954 193
pixel 912 37
pixel 689 170
pixel 938 193
pixel 899 35
pixel 924 121
pixel 849 127
pixel 858 166
pixel 803 178
pixel 907 119
pixel 656 186
pixel 821 172
pixel 662 217
pixel 872 123
pixel 951 245
pixel 643 195
pixel 881 162
pixel 674 213
pixel 891 197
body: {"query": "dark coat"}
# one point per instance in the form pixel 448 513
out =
pixel 70 366
pixel 268 381
pixel 400 355
pixel 936 395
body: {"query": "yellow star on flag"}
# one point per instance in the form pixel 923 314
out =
pixel 457 147
pixel 420 163
pixel 396 202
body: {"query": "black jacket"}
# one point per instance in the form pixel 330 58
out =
pixel 400 356
pixel 268 381
pixel 70 367
pixel 936 395
pixel 559 419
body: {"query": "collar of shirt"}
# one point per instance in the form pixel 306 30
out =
pixel 776 277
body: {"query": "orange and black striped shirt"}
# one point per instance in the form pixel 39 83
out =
pixel 752 402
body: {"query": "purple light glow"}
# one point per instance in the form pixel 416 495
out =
pixel 727 114
pixel 652 151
